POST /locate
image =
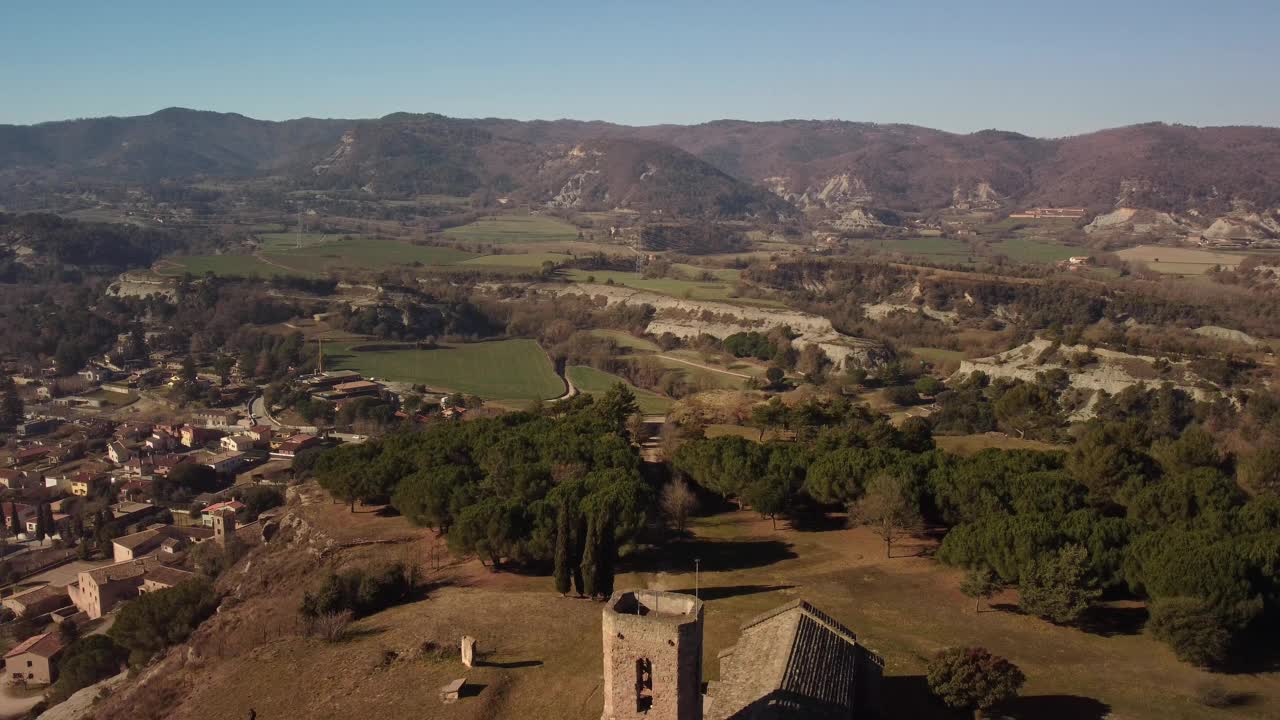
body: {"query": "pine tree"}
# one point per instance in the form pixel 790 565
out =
pixel 563 550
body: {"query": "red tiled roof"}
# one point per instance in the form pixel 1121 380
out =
pixel 46 645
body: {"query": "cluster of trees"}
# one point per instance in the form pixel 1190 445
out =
pixel 1143 503
pixel 558 486
pixel 156 620
pixel 841 448
pixel 1036 410
pixel 87 660
pixel 100 246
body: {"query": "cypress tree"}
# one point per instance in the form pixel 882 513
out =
pixel 10 404
pixel 15 522
pixel 577 541
pixel 563 550
pixel 42 530
pixel 590 550
pixel 605 558
pixel 50 526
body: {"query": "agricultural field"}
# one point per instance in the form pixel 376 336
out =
pixel 971 444
pixel 1180 261
pixel 524 261
pixel 937 249
pixel 720 291
pixel 627 340
pixel 705 376
pixel 505 229
pixel 1032 250
pixel 592 381
pixel 937 356
pixel 318 259
pixel 510 370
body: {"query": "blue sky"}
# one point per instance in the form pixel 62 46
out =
pixel 1046 69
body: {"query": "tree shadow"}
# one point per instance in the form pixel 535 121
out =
pixel 817 521
pixel 1111 621
pixel 512 665
pixel 1056 707
pixel 714 555
pixel 908 696
pixel 729 591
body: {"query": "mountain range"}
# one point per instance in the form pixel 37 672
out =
pixel 726 168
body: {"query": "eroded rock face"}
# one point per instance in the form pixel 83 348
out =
pixel 691 318
pixel 1113 371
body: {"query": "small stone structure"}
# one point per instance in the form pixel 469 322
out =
pixel 468 651
pixel 652 656
pixel 450 693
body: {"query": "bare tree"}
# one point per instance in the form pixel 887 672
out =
pixel 889 509
pixel 679 502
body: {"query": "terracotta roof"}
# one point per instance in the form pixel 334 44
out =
pixel 46 646
pixel 35 595
pixel 228 505
pixel 168 576
pixel 126 570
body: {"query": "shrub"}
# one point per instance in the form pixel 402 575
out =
pixel 973 678
pixel 330 626
pixel 1196 631
pixel 362 592
pixel 1215 695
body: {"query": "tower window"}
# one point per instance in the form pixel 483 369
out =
pixel 644 685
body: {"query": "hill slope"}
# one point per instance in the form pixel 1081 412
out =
pixel 698 169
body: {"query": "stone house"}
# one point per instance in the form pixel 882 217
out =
pixel 38 601
pixel 97 591
pixel 238 443
pixel 31 662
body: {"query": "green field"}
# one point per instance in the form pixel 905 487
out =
pixel 502 229
pixel 282 241
pixel 500 370
pixel 721 291
pixel 626 340
pixel 939 249
pixel 592 381
pixel 1029 250
pixel 937 355
pixel 709 379
pixel 356 253
pixel 529 261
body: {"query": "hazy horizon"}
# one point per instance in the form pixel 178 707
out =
pixel 1009 66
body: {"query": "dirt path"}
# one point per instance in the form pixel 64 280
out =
pixel 273 263
pixel 705 367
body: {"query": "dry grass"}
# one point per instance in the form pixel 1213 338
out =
pixel 542 652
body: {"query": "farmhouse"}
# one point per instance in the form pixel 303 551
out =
pixel 97 591
pixel 38 601
pixel 31 662
pixel 165 539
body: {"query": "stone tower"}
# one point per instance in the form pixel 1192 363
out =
pixel 224 526
pixel 652 656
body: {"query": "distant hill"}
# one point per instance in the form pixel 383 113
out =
pixel 714 169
